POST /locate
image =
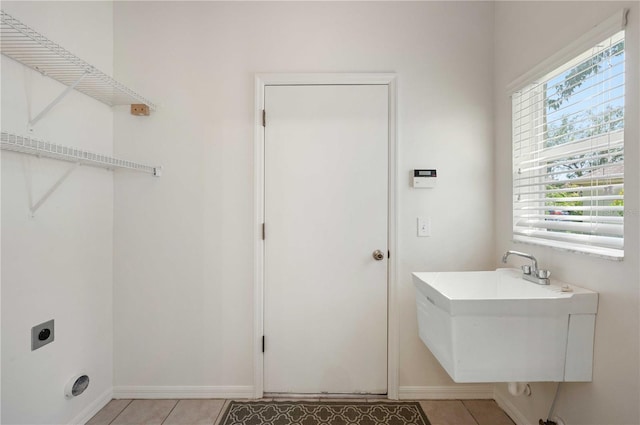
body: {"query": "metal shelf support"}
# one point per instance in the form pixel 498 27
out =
pixel 56 100
pixel 34 207
pixel 77 157
pixel 27 46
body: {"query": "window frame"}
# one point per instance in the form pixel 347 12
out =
pixel 556 64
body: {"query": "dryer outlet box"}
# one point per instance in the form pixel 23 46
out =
pixel 42 334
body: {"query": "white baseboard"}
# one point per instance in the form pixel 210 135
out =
pixel 510 409
pixel 93 408
pixel 184 392
pixel 460 392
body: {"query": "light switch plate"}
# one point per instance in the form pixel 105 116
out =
pixel 424 226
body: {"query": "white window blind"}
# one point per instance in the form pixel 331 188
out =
pixel 568 154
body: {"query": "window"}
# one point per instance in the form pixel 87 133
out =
pixel 568 154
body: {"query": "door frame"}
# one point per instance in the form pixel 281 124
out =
pixel 261 81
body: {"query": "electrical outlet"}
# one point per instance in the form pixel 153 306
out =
pixel 42 334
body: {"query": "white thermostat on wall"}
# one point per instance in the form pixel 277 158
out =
pixel 424 179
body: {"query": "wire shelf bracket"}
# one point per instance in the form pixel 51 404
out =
pixel 34 207
pixel 40 148
pixel 32 49
pixel 56 100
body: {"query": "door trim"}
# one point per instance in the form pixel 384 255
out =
pixel 261 81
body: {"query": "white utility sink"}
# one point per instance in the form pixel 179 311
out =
pixel 494 326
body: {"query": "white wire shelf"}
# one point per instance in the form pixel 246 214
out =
pixel 28 145
pixel 25 45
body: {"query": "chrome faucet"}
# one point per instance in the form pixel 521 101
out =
pixel 531 273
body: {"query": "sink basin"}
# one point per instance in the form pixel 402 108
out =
pixel 493 326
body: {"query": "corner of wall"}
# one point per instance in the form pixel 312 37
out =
pixel 58 263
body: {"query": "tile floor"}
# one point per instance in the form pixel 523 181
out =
pixel 209 412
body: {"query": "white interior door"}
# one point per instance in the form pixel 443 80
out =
pixel 326 212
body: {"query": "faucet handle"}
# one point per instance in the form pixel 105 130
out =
pixel 526 269
pixel 543 274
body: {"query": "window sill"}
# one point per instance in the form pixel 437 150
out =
pixel 604 253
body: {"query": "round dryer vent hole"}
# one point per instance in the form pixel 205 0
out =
pixel 76 386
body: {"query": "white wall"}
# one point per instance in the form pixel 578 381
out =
pixel 182 250
pixel 58 264
pixel 183 243
pixel 526 34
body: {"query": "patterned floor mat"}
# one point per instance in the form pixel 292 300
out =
pixel 323 413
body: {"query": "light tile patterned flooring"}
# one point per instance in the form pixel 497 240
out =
pixel 209 412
